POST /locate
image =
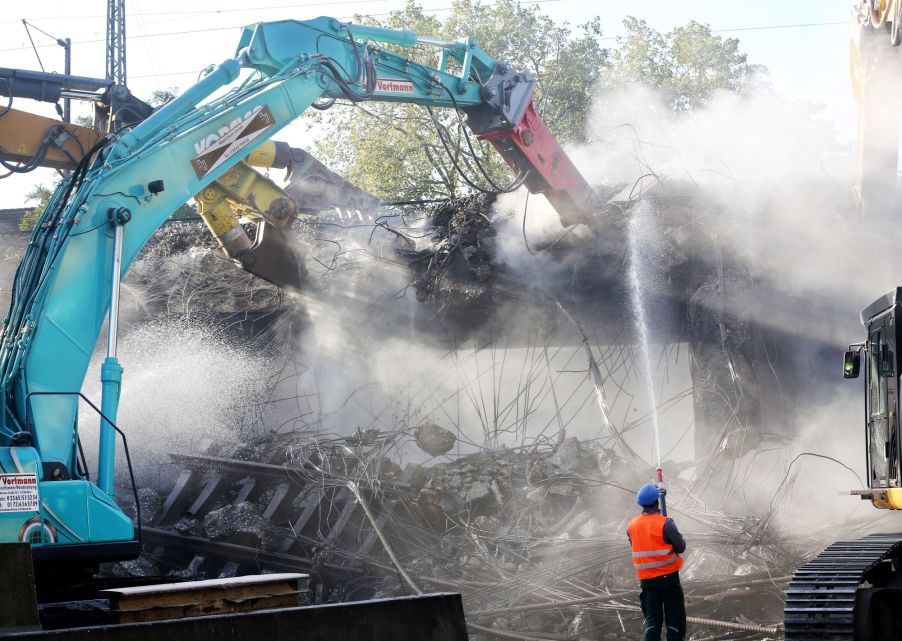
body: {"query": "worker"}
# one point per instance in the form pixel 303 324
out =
pixel 657 545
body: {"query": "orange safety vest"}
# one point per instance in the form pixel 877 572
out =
pixel 652 556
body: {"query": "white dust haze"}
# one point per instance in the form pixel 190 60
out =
pixel 777 190
pixel 780 187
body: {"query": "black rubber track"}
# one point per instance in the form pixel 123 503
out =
pixel 820 600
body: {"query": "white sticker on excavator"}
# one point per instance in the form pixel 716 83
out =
pixel 19 493
pixel 391 85
pixel 232 140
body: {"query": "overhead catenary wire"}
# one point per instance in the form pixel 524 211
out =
pixel 31 40
pixel 329 3
pixel 764 27
pixel 234 27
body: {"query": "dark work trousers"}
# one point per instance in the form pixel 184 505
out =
pixel 662 599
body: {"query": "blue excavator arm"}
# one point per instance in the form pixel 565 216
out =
pixel 104 213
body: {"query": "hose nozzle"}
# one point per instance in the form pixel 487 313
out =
pixel 662 491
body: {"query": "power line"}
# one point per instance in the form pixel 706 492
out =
pixel 165 75
pixel 216 11
pixel 727 30
pixel 768 27
pixel 771 27
pixel 785 26
pixel 31 40
pixel 241 26
pixel 305 5
pixel 275 6
pixel 341 2
pixel 140 35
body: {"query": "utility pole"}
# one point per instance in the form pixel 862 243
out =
pixel 66 44
pixel 115 58
pixel 115 41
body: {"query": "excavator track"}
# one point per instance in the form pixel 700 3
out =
pixel 837 594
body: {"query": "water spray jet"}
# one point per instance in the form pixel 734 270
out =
pixel 635 259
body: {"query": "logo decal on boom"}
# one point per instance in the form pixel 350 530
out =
pixel 393 85
pixel 232 140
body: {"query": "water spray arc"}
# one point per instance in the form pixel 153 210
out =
pixel 641 212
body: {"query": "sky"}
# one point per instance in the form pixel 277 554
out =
pixel 804 44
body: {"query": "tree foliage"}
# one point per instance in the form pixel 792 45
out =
pixel 689 64
pixel 393 149
pixel 84 121
pixel 159 97
pixel 30 218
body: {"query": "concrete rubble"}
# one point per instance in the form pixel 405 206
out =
pixel 532 536
pixel 533 539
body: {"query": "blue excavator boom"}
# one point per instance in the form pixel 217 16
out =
pixel 104 213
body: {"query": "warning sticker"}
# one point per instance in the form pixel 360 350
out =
pixel 392 85
pixel 233 140
pixel 19 493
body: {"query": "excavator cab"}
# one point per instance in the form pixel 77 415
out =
pixel 881 373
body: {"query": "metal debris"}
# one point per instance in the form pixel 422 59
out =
pixel 530 530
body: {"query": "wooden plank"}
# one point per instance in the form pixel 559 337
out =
pixel 223 606
pixel 251 579
pixel 187 586
pixel 198 592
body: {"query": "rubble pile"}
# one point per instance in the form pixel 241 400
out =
pixel 451 257
pixel 533 536
pixel 756 339
pixel 535 542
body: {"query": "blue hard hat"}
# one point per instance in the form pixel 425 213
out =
pixel 647 495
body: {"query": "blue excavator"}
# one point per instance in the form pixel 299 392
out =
pixel 129 182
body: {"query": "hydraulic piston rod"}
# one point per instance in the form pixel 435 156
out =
pixel 111 370
pixel 115 280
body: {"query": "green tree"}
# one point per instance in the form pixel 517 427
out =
pixel 159 97
pixel 689 64
pixel 393 149
pixel 30 218
pixel 84 121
